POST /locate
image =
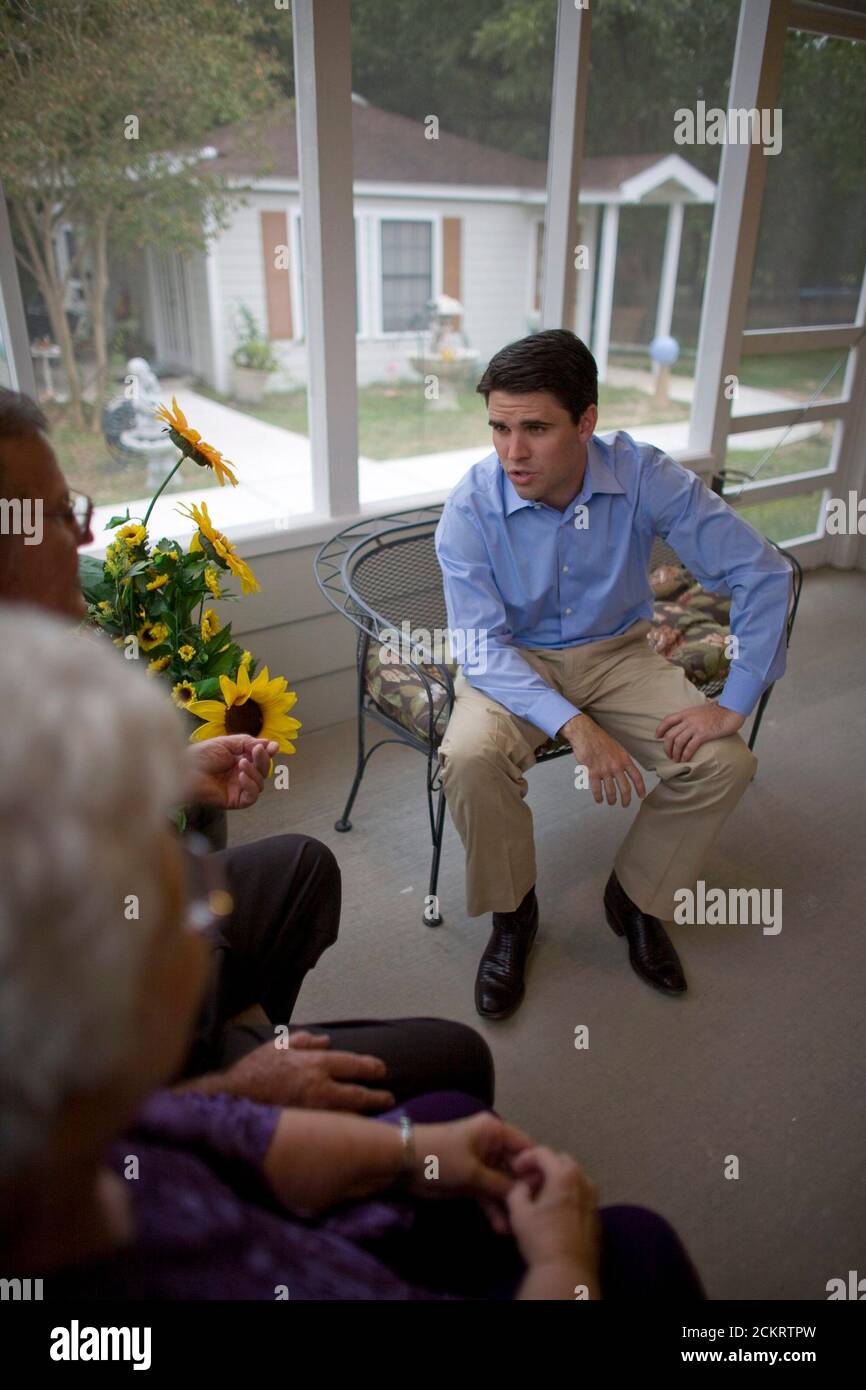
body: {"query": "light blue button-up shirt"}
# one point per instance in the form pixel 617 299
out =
pixel 525 574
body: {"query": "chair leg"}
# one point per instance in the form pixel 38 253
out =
pixel 432 915
pixel 344 824
pixel 762 705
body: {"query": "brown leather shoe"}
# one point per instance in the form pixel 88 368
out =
pixel 499 984
pixel 650 949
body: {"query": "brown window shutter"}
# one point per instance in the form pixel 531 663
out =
pixel 275 232
pixel 452 229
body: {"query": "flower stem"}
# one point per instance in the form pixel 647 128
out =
pixel 162 487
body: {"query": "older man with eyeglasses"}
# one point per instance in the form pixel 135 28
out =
pixel 286 889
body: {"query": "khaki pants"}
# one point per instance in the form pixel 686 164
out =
pixel 628 689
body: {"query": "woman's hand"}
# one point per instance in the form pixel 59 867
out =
pixel 473 1158
pixel 553 1208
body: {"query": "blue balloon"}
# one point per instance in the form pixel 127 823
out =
pixel 664 350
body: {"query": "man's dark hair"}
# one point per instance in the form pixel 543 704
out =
pixel 19 416
pixel 555 361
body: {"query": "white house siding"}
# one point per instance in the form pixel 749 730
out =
pixel 497 253
pixel 184 344
pixel 203 357
pixel 498 273
pixel 240 269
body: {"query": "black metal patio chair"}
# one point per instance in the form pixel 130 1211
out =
pixel 383 575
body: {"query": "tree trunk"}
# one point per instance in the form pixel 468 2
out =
pixel 40 261
pixel 96 297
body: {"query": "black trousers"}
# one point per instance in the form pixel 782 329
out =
pixel 287 895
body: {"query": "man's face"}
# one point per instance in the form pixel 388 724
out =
pixel 540 447
pixel 45 574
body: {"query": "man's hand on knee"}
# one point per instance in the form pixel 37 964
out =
pixel 684 732
pixel 306 1075
pixel 606 761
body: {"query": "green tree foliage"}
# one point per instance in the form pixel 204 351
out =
pixel 104 108
pixel 485 69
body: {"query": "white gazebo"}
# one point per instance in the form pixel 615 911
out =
pixel 606 186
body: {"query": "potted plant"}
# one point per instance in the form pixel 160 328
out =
pixel 254 360
pixel 153 600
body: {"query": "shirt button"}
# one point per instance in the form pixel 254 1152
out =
pixel 568 610
pixel 565 569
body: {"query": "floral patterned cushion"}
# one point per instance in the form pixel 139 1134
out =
pixel 398 691
pixel 689 628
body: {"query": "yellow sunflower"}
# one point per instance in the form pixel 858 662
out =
pixel 191 444
pixel 260 708
pixel 246 659
pixel 158 582
pixel 117 559
pixel 186 652
pixel 183 695
pixel 131 535
pixel 210 624
pixel 151 635
pixel 159 663
pixel 212 580
pixel 221 544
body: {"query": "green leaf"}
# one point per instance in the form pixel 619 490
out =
pixel 218 640
pixel 225 663
pixel 91 576
pixel 116 521
pixel 208 552
pixel 209 689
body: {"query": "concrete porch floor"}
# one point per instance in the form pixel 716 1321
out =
pixel 762 1059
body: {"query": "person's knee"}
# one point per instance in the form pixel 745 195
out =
pixel 322 861
pixel 316 873
pixel 467 1062
pixel 735 760
pixel 642 1223
pixel 643 1256
pixel 478 1068
pixel 470 761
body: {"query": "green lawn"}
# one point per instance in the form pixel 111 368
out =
pixel 396 421
pixel 789 517
pixel 90 468
pixel 794 374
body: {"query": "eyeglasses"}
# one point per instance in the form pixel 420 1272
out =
pixel 77 509
pixel 209 902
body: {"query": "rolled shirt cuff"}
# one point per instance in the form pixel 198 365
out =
pixel 741 692
pixel 549 712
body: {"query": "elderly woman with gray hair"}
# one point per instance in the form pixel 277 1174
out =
pixel 113 1187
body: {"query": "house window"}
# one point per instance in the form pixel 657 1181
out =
pixel 407 275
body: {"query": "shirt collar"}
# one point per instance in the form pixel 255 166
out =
pixel 599 477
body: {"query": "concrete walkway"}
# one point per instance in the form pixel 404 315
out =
pixel 275 474
pixel 749 401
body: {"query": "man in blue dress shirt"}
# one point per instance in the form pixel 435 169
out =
pixel 544 548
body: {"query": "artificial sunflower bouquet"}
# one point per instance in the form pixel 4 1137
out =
pixel 154 601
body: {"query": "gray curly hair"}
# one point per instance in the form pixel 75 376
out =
pixel 90 753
